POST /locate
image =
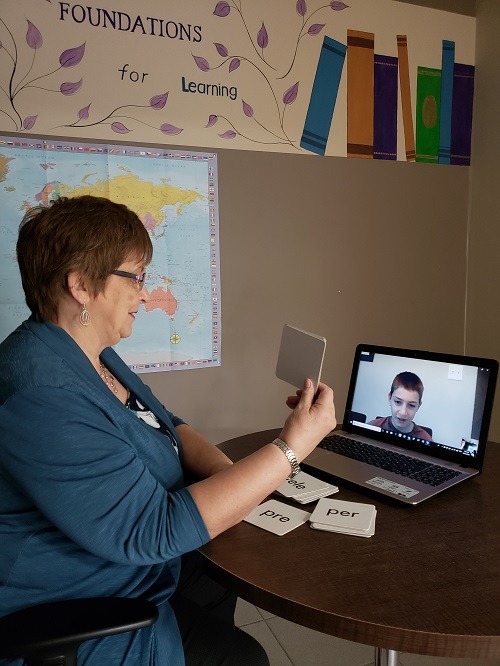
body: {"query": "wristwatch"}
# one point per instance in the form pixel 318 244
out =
pixel 290 456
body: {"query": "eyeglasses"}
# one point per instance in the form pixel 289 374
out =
pixel 138 279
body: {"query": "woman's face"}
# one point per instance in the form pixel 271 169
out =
pixel 113 310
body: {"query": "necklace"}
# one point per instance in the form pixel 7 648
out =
pixel 107 377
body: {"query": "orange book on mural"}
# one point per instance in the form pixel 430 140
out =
pixel 360 86
pixel 404 85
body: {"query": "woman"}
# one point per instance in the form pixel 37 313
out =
pixel 92 498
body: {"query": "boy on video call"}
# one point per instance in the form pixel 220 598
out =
pixel 405 398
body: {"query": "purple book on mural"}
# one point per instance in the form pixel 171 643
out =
pixel 461 114
pixel 385 110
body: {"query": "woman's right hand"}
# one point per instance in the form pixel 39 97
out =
pixel 225 498
pixel 313 417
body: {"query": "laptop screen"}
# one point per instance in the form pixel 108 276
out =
pixel 434 403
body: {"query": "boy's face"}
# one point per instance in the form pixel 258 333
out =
pixel 404 405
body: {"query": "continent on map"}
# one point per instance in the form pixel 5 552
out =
pixel 143 197
pixel 162 299
pixel 4 166
pixel 47 193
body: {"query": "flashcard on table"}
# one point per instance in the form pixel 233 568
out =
pixel 277 517
pixel 347 517
pixel 304 485
pixel 370 531
pixel 307 499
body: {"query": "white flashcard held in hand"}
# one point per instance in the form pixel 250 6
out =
pixel 300 357
pixel 350 516
pixel 277 517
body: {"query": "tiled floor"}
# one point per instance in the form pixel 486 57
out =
pixel 289 644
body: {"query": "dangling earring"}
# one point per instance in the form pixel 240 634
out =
pixel 84 315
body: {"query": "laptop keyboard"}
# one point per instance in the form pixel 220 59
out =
pixel 411 468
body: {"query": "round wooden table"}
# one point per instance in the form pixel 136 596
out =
pixel 427 582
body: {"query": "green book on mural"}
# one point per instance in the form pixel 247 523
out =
pixel 427 114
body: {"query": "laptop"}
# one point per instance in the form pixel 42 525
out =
pixel 416 422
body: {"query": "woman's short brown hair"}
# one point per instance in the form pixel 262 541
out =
pixel 91 235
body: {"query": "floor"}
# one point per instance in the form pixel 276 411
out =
pixel 289 644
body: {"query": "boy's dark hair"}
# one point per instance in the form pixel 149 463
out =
pixel 409 381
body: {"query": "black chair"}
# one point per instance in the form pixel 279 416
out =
pixel 50 634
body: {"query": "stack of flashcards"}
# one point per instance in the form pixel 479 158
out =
pixel 305 488
pixel 344 517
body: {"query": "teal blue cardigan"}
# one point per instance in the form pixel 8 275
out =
pixel 92 501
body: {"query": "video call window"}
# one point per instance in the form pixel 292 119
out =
pixel 420 400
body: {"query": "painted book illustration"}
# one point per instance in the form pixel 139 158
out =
pixel 385 112
pixel 428 114
pixel 404 83
pixel 360 82
pixel 323 96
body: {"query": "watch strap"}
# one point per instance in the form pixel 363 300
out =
pixel 290 456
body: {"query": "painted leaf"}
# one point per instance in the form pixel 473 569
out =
pixel 230 134
pixel 234 64
pixel 171 130
pixel 247 109
pixel 262 37
pixel 158 101
pixel 222 9
pixel 221 50
pixel 119 128
pixel 338 6
pixel 202 63
pixel 212 119
pixel 29 121
pixel 72 57
pixel 83 114
pixel 69 88
pixel 315 29
pixel 33 36
pixel 291 94
pixel 301 7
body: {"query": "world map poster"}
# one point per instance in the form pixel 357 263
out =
pixel 174 193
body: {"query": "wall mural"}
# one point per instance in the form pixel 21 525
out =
pixel 374 79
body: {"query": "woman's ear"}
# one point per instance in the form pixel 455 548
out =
pixel 77 287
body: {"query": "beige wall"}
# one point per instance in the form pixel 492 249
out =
pixel 355 250
pixel 483 301
pixel 467 7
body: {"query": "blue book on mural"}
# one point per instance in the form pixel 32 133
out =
pixel 323 96
pixel 447 69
